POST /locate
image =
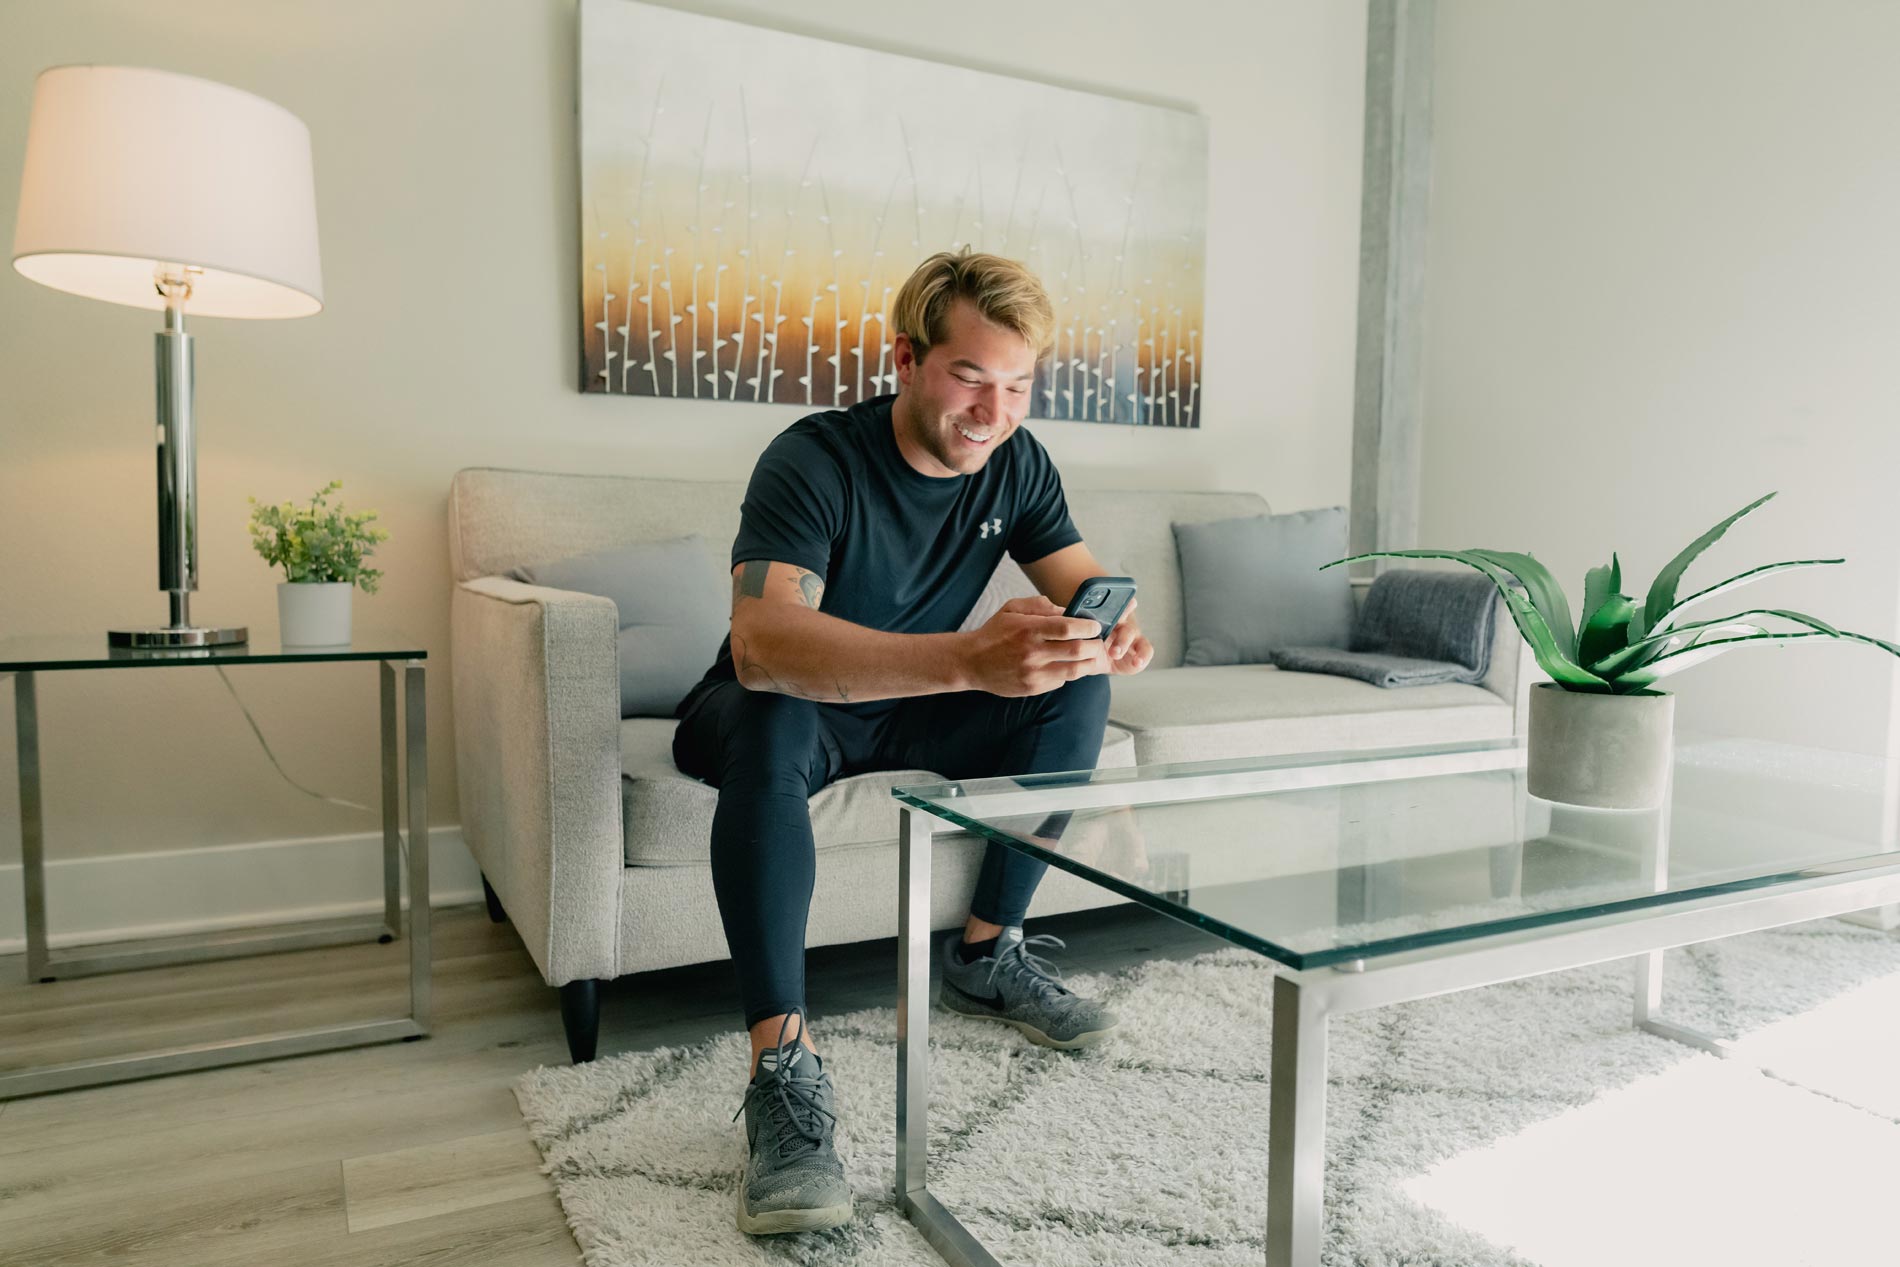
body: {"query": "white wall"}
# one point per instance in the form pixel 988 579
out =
pixel 1663 271
pixel 445 159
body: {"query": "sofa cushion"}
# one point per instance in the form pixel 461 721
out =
pixel 1250 586
pixel 1254 710
pixel 673 606
pixel 668 815
pixel 1134 527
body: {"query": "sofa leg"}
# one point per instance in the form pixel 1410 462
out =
pixel 580 1016
pixel 495 913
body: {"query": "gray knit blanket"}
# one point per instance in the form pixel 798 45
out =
pixel 1417 628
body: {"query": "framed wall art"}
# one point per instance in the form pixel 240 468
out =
pixel 751 200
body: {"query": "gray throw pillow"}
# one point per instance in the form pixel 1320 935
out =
pixel 1253 584
pixel 674 602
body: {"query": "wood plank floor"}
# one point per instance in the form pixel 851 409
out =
pixel 405 1153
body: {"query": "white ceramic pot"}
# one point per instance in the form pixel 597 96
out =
pixel 1606 751
pixel 314 613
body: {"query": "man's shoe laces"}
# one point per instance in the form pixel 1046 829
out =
pixel 1036 974
pixel 789 1101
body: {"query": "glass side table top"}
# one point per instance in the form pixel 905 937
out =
pixel 90 651
pixel 1329 858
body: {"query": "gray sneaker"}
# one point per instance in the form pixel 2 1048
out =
pixel 1020 989
pixel 793 1180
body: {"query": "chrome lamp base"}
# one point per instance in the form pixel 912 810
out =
pixel 177 484
pixel 173 638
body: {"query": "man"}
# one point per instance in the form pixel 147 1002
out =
pixel 866 536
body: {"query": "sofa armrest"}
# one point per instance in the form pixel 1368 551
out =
pixel 1513 668
pixel 537 763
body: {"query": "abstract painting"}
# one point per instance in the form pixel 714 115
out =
pixel 751 200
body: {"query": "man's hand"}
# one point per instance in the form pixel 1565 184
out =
pixel 1030 648
pixel 1128 648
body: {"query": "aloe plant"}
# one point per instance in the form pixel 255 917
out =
pixel 1619 646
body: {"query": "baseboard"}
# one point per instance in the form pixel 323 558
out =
pixel 130 896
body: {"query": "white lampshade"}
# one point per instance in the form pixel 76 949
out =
pixel 129 168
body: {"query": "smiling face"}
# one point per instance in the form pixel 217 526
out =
pixel 965 398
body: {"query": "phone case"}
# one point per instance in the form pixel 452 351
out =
pixel 1116 592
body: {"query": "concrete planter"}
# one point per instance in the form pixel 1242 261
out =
pixel 314 613
pixel 1604 751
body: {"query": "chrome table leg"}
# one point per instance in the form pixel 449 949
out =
pixel 1296 1127
pixel 946 1235
pixel 392 807
pixel 26 724
pixel 415 724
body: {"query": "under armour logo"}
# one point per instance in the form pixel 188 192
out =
pixel 995 526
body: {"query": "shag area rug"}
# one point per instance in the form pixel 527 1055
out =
pixel 1525 1123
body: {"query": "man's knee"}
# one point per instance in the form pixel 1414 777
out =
pixel 1076 710
pixel 1084 699
pixel 769 729
pixel 764 738
pixel 777 716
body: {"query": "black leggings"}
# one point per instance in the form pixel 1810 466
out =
pixel 768 754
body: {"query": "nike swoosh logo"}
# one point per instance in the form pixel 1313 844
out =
pixel 995 1000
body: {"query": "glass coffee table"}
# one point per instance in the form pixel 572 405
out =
pixel 1380 877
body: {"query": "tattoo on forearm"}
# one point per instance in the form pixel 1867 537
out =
pixel 756 676
pixel 753 674
pixel 811 589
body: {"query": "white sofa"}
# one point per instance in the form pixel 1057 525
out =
pixel 598 848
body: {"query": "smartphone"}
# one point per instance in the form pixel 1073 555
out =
pixel 1102 599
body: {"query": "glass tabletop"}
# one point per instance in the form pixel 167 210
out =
pixel 90 651
pixel 1325 859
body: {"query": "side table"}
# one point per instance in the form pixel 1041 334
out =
pixel 28 658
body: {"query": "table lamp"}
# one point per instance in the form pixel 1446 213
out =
pixel 162 191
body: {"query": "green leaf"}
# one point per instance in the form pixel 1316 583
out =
pixel 1605 630
pixel 1882 643
pixel 1677 661
pixel 317 542
pixel 1662 591
pixel 1530 622
pixel 1545 594
pixel 1659 645
pixel 1599 584
pixel 1735 582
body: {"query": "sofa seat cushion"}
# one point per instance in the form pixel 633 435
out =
pixel 668 815
pixel 1216 712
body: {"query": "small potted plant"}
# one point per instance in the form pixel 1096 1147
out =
pixel 1600 735
pixel 322 549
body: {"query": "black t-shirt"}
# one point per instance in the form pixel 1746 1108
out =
pixel 899 551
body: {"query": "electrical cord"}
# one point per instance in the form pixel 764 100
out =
pixel 265 744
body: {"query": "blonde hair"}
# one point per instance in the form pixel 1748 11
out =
pixel 1003 290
